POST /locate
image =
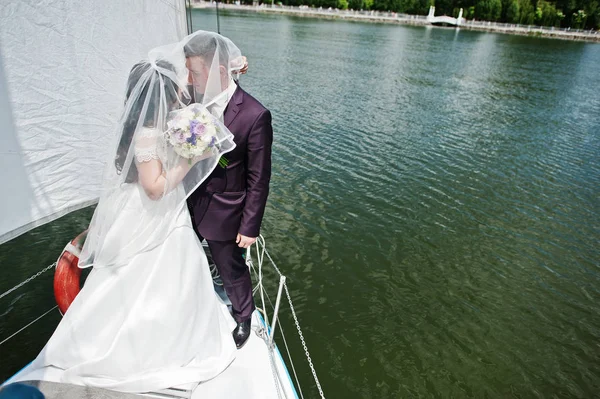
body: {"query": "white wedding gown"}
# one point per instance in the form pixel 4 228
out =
pixel 152 323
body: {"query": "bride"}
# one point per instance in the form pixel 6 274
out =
pixel 148 317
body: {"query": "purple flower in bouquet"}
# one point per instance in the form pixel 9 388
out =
pixel 192 140
pixel 180 136
pixel 196 128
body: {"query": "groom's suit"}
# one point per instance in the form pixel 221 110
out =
pixel 232 200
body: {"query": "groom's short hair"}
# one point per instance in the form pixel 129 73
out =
pixel 199 46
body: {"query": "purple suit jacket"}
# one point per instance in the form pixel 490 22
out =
pixel 233 200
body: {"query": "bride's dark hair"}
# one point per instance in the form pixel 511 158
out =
pixel 132 118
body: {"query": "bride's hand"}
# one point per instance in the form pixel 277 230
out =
pixel 245 65
pixel 206 155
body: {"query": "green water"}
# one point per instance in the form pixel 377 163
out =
pixel 435 206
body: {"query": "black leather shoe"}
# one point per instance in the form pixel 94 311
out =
pixel 242 333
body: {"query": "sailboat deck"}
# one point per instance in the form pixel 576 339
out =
pixel 55 390
pixel 250 375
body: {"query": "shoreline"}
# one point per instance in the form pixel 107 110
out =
pixel 415 20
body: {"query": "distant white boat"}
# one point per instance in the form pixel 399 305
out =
pixel 47 109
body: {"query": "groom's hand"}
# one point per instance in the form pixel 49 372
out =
pixel 243 241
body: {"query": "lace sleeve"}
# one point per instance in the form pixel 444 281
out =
pixel 146 145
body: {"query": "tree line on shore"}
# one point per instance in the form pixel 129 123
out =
pixel 574 14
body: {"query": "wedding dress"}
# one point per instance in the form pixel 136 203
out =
pixel 152 323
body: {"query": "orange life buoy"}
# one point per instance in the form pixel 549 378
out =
pixel 67 274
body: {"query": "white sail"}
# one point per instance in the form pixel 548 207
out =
pixel 63 69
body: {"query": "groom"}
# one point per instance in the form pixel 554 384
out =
pixel 227 209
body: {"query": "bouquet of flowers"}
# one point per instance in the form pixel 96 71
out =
pixel 192 132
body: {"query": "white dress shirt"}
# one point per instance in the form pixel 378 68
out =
pixel 220 103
